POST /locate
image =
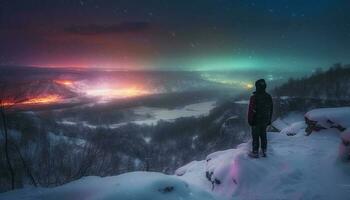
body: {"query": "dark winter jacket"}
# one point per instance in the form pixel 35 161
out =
pixel 260 108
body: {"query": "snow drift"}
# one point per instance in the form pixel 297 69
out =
pixel 129 186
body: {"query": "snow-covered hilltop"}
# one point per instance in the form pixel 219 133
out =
pixel 297 167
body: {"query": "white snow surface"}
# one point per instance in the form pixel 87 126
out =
pixel 129 186
pixel 298 167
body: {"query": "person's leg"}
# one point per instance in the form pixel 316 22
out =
pixel 263 138
pixel 255 136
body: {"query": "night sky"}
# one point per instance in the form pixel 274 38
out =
pixel 273 35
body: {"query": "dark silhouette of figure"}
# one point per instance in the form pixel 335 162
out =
pixel 259 117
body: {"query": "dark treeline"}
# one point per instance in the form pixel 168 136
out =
pixel 330 84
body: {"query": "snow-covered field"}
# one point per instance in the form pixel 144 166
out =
pixel 297 167
pixel 151 115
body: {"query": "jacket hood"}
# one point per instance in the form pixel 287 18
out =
pixel 260 86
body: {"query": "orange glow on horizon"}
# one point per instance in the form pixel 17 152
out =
pixel 49 99
pixel 115 93
pixel 64 82
pixel 43 100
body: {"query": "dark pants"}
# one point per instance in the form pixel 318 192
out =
pixel 259 136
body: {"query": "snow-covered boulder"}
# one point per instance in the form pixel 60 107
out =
pixel 294 128
pixel 129 186
pixel 228 171
pixel 291 124
pixel 284 121
pixel 325 118
pixel 332 118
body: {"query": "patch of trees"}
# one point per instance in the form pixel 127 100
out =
pixel 330 84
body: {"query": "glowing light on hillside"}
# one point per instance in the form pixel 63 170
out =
pixel 114 93
pixel 43 100
pixel 6 103
pixel 64 82
pixel 49 99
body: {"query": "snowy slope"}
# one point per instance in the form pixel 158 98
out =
pixel 129 186
pixel 297 167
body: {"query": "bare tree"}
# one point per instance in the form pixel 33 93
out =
pixel 25 166
pixel 8 101
pixel 5 132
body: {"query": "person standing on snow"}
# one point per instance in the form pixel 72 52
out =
pixel 259 117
